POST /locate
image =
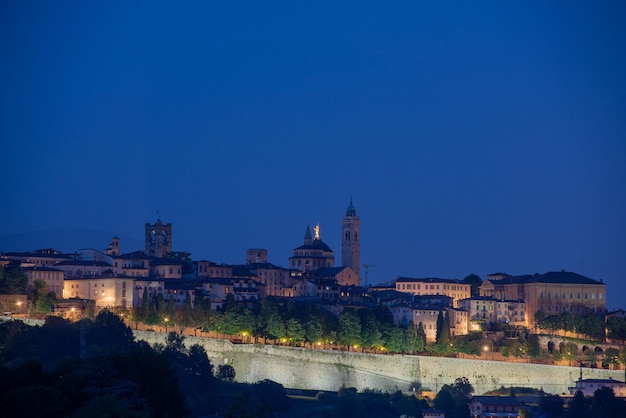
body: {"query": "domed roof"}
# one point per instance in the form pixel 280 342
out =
pixel 316 244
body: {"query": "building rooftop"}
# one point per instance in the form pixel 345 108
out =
pixel 427 280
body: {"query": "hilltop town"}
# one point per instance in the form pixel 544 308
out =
pixel 315 304
pixel 112 278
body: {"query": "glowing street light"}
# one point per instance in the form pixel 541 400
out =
pixel 487 349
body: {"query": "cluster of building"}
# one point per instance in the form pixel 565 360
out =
pixel 111 278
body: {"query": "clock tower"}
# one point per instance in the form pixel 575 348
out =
pixel 350 241
pixel 158 239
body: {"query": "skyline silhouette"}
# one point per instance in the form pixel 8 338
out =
pixel 472 138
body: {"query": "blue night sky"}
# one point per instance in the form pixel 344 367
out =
pixel 472 137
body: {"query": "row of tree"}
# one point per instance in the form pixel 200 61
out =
pixel 590 324
pixel 289 323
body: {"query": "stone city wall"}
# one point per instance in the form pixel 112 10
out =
pixel 330 370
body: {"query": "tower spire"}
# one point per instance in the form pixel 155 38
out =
pixel 307 236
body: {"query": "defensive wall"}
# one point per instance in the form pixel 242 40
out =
pixel 305 368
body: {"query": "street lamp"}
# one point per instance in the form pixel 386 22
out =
pixel 487 349
pixel 166 320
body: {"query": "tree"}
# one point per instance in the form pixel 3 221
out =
pixel 383 315
pixel 616 328
pixel 392 337
pixel 349 329
pixel 41 298
pixel 110 331
pixel 247 323
pixel 605 404
pixel 540 317
pixel 276 327
pixel 443 329
pixel 14 280
pixel 534 350
pixel 475 281
pixel 570 351
pixel 444 401
pixel 231 322
pixel 175 343
pixel 444 337
pixel 463 386
pixel 199 363
pixel 421 338
pixel 552 405
pixel 313 329
pixel 231 304
pixel 611 357
pixel 295 331
pixel 370 334
pixel 578 406
pixel 183 317
pixel 226 372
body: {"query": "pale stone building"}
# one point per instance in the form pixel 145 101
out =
pixel 403 315
pixel 105 291
pixel 434 286
pixel 459 321
pixel 51 276
pixel 589 386
pixel 135 264
pixel 47 257
pixel 167 268
pixel 480 308
pixel 84 268
pixel 552 293
pixel 276 281
pixel 344 276
pixel 211 269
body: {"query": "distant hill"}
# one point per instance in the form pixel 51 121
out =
pixel 66 240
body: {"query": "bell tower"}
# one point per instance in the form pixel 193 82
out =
pixel 350 241
pixel 158 239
